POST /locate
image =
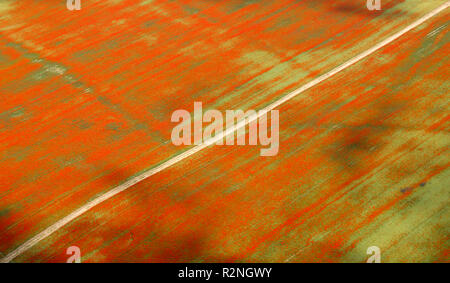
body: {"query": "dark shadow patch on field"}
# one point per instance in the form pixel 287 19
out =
pixel 188 248
pixel 354 7
pixel 355 144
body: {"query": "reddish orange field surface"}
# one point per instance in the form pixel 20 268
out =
pixel 87 160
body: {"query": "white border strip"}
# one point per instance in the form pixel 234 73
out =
pixel 53 228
